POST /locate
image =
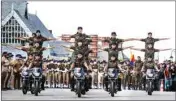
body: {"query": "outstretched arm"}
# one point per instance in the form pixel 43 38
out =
pixel 50 39
pixel 131 39
pixel 136 49
pixel 50 47
pixel 127 47
pixel 164 49
pixel 70 50
pixel 163 38
pixel 137 39
pixel 22 38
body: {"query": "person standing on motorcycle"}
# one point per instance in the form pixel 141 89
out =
pixel 113 39
pixel 150 51
pixel 137 68
pixel 79 35
pixel 36 38
pixel 79 46
pixel 150 40
pixel 112 63
pixel 79 62
pixel 113 48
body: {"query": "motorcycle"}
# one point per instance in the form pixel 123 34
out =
pixel 150 77
pixel 112 80
pixel 25 80
pixel 79 76
pixel 37 77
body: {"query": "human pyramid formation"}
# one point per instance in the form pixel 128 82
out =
pixel 80 56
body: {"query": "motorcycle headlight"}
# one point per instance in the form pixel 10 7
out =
pixel 25 73
pixel 78 74
pixel 36 74
pixel 25 69
pixel 111 74
pixel 150 75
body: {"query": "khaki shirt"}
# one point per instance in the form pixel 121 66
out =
pixel 16 64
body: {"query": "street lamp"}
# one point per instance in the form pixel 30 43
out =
pixel 171 57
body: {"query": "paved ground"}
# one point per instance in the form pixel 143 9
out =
pixel 94 94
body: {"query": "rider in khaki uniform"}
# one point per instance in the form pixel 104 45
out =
pixel 112 63
pixel 37 62
pixel 79 62
pixel 149 64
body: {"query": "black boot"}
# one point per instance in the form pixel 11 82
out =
pixel 72 84
pixel 90 82
pixel 119 84
pixel 87 84
pixel 106 83
pixel 43 83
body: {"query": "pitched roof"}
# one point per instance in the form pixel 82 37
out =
pixel 19 5
pixel 33 22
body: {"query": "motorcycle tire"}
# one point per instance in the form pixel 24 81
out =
pixel 78 89
pixel 150 88
pixel 36 90
pixel 24 88
pixel 112 88
pixel 32 91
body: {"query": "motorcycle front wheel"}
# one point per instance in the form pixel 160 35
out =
pixel 150 88
pixel 112 89
pixel 36 89
pixel 24 87
pixel 78 89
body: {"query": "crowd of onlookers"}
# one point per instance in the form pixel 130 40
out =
pixel 168 74
pixel 10 78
